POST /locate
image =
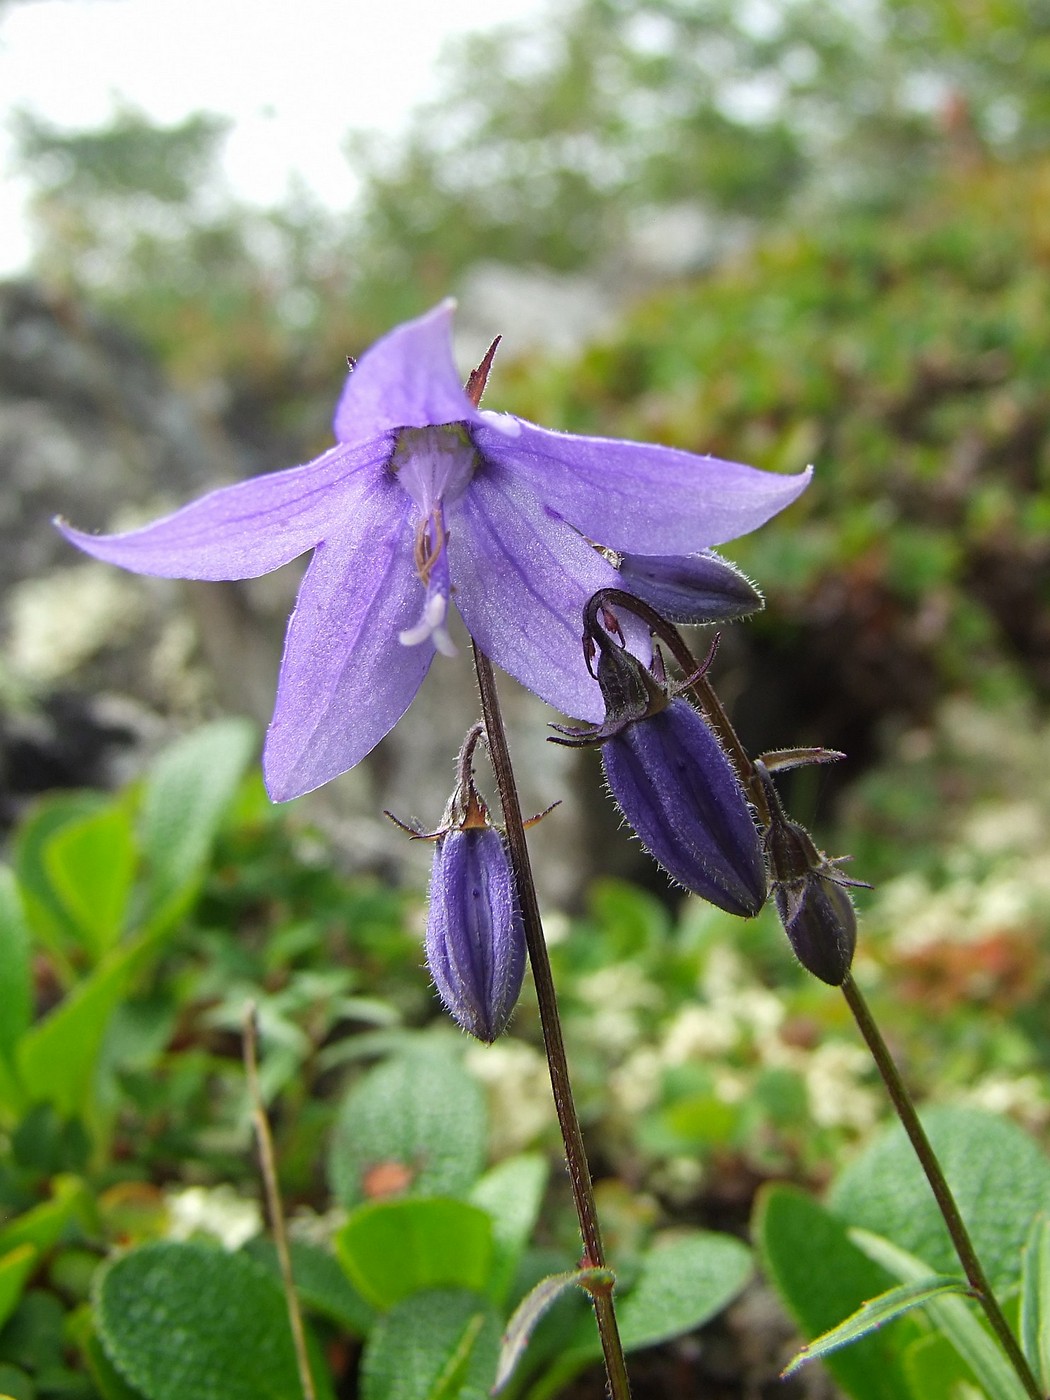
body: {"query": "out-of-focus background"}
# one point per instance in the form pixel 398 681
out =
pixel 776 232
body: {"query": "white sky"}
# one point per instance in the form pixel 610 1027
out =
pixel 296 77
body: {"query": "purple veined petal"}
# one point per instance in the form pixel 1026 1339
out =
pixel 639 497
pixel 245 530
pixel 345 679
pixel 521 578
pixel 408 379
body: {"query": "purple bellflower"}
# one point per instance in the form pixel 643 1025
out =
pixel 475 938
pixel 424 501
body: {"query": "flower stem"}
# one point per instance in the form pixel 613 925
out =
pixel 268 1165
pixel 569 1123
pixel 960 1236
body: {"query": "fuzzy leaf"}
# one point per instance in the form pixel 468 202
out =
pixel 180 1320
pixel 439 1345
pixel 998 1175
pixel 418 1119
pixel 959 1323
pixel 873 1314
pixel 529 1311
pixel 820 1274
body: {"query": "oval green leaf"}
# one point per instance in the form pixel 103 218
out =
pixel 391 1249
pixel 181 1320
pixel 419 1117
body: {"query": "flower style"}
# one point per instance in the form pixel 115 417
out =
pixel 426 499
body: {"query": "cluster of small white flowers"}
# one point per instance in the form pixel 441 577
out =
pixel 618 995
pixel 1012 896
pixel 217 1211
pixel 837 1098
pixel 518 1091
pixel 1022 1097
pixel 634 1085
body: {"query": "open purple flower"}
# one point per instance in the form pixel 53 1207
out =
pixel 425 499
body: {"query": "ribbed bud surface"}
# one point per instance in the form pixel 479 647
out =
pixel 690 587
pixel 679 793
pixel 475 939
pixel 821 925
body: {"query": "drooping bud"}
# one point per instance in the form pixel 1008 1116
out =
pixel 700 587
pixel 475 938
pixel 679 793
pixel 810 895
pixel 668 773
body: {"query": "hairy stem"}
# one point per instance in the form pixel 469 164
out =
pixel 905 1108
pixel 569 1123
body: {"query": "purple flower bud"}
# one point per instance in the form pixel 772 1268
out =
pixel 475 937
pixel 821 925
pixel 814 907
pixel 679 792
pixel 690 587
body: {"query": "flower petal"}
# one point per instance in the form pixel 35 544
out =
pixel 345 678
pixel 521 578
pixel 637 496
pixel 406 380
pixel 245 530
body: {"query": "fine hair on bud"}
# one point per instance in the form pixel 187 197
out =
pixel 475 939
pixel 679 793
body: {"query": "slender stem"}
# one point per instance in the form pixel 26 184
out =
pixel 268 1163
pixel 572 1137
pixel 964 1248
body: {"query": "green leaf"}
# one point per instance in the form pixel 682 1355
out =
pixel 91 863
pixel 1035 1300
pixel 45 910
pixel 936 1371
pixel 110 1383
pixel 822 1276
pixel 15 1267
pixel 682 1284
pixel 58 1057
pixel 998 1175
pixel 185 798
pixel 321 1284
pixel 440 1345
pixel 391 1249
pixel 512 1193
pixel 182 1320
pixel 15 1384
pixel 873 1314
pixel 420 1115
pixel 44 1225
pixel 959 1323
pixel 531 1309
pixel 16 991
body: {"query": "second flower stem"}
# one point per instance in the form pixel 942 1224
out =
pixel 956 1226
pixel 550 1021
